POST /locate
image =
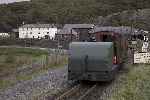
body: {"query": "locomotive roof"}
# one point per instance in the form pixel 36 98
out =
pixel 93 43
pixel 96 50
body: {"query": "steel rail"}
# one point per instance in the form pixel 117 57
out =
pixel 87 92
pixel 68 93
pixel 74 90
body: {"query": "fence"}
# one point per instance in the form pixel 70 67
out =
pixel 55 58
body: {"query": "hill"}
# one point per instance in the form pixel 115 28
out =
pixel 63 11
pixel 135 18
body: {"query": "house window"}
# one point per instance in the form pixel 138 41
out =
pixel 47 32
pixel 38 33
pixel 33 37
pixel 31 28
pixel 39 28
pixel 38 37
pixel 27 28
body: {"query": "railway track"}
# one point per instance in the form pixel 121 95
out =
pixel 91 91
pixel 78 92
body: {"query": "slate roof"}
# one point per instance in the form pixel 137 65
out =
pixel 67 31
pixel 121 30
pixel 79 25
pixel 38 26
pixel 15 30
pixel 69 28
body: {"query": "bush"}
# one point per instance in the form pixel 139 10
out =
pixel 24 51
pixel 10 59
pixel 136 85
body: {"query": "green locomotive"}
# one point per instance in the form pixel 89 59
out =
pixel 97 61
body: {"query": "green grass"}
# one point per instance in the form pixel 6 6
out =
pixel 26 51
pixel 135 85
pixel 5 83
pixel 12 59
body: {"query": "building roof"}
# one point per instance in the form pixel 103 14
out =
pixel 121 30
pixel 67 31
pixel 38 26
pixel 70 28
pixel 15 30
pixel 79 26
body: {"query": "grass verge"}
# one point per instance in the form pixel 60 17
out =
pixel 35 62
pixel 26 51
pixel 135 85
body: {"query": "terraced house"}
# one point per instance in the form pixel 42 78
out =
pixel 38 31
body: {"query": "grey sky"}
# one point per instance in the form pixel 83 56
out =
pixel 11 1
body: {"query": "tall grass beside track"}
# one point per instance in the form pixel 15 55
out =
pixel 21 51
pixel 20 64
pixel 135 85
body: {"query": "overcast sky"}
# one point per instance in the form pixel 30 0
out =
pixel 10 1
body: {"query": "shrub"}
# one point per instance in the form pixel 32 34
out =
pixel 136 85
pixel 10 59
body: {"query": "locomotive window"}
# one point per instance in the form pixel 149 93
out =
pixel 115 49
pixel 107 38
pixel 110 38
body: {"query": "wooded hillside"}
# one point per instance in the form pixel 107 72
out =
pixel 63 11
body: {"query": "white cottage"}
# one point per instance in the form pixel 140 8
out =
pixel 37 31
pixel 4 35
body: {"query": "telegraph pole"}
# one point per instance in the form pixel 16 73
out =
pixel 71 34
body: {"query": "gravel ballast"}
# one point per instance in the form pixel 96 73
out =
pixel 50 80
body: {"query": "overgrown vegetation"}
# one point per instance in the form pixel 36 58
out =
pixel 43 43
pixel 63 11
pixel 20 51
pixel 135 85
pixel 20 64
